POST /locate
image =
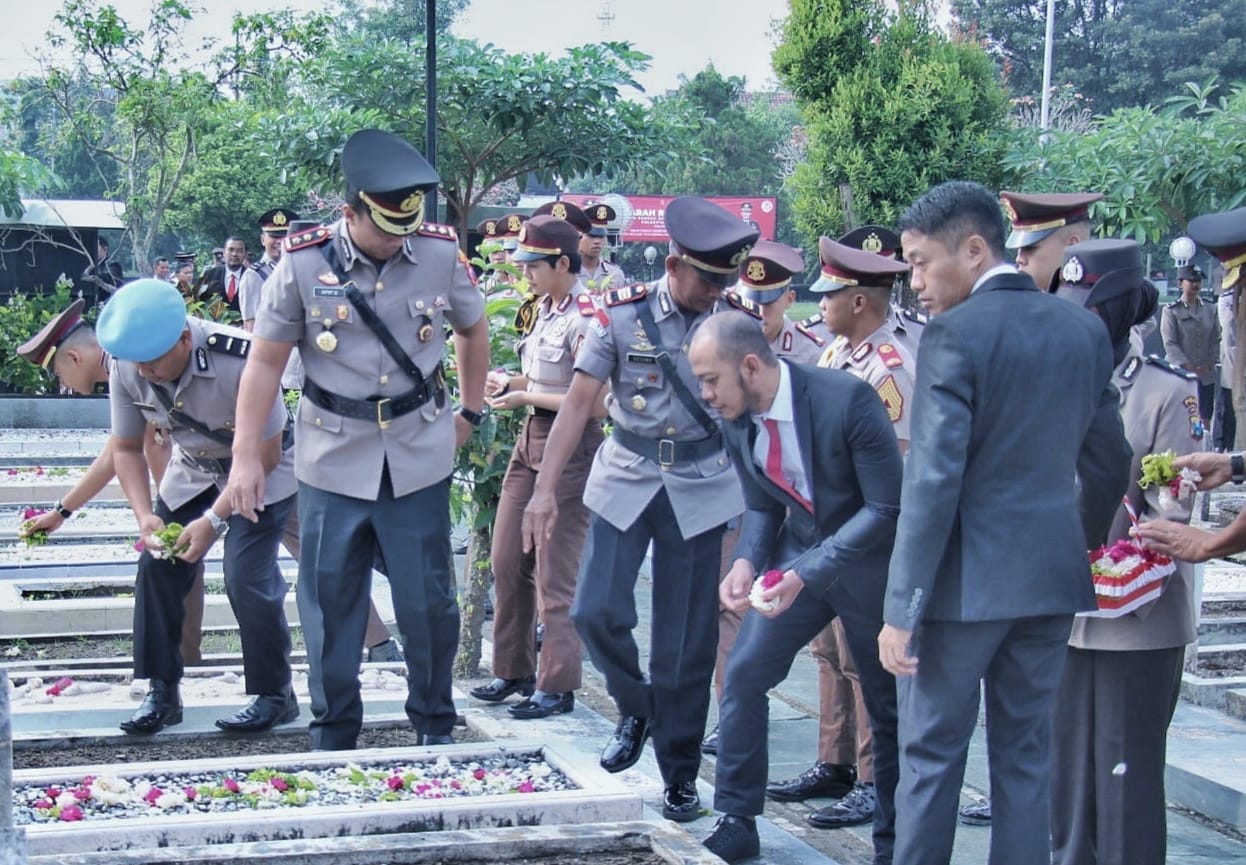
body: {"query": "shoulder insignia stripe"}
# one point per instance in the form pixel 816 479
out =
pixel 813 320
pixel 743 304
pixel 891 357
pixel 804 329
pixel 584 303
pixel 435 229
pixel 235 345
pixel 1156 360
pixel 315 237
pixel 626 294
pixel 890 394
pixel 862 352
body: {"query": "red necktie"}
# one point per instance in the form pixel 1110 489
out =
pixel 774 464
pixel 233 288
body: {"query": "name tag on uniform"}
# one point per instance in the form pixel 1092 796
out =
pixel 642 358
pixel 322 291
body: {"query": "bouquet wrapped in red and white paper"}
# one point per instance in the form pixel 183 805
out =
pixel 1127 575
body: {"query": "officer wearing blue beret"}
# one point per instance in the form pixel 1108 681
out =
pixel 367 302
pixel 662 476
pixel 182 374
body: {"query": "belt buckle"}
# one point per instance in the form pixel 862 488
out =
pixel 666 453
pixel 383 417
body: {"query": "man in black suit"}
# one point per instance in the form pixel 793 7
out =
pixel 1014 419
pixel 820 468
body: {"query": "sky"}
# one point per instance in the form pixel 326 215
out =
pixel 681 35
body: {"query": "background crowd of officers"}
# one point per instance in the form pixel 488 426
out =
pixel 709 462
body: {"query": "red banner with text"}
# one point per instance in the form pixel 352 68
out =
pixel 641 217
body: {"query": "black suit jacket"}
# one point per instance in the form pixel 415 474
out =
pixel 850 452
pixel 1013 405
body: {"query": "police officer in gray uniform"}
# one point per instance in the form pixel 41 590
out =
pixel 182 374
pixel 765 280
pixel 664 477
pixel 367 301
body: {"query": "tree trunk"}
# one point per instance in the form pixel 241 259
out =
pixel 477 578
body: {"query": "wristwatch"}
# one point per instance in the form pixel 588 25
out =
pixel 475 418
pixel 1237 465
pixel 65 512
pixel 220 526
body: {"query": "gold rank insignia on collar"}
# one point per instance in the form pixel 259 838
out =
pixel 862 352
pixel 890 357
pixel 1131 368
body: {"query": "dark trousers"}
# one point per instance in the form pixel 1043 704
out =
pixel 1109 734
pixel 1022 661
pixel 339 536
pixel 761 659
pixel 541 582
pixel 1207 402
pixel 684 630
pixel 253 583
pixel 1224 423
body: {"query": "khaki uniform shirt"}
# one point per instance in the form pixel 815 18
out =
pixel 798 343
pixel 547 353
pixel 416 293
pixel 883 364
pixel 1159 410
pixel 250 287
pixel 208 392
pixel 1192 336
pixel 704 493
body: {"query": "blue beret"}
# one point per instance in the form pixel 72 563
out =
pixel 142 321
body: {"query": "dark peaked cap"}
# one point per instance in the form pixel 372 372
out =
pixel 709 238
pixel 1036 215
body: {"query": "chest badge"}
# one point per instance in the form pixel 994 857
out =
pixel 642 342
pixel 639 403
pixel 326 340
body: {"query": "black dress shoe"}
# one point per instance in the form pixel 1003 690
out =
pixel 499 689
pixel 709 745
pixel 626 745
pixel 162 707
pixel 976 813
pixel 853 810
pixel 681 803
pixel 734 839
pixel 434 739
pixel 542 705
pixel 824 779
pixel 263 713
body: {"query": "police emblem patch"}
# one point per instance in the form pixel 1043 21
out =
pixel 1073 270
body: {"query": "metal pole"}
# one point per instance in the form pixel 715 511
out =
pixel 430 76
pixel 1045 118
pixel 12 840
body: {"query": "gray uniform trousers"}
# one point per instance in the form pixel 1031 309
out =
pixel 340 536
pixel 1022 661
pixel 1109 732
pixel 684 630
pixel 253 582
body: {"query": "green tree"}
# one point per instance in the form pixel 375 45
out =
pixel 1157 169
pixel 127 99
pixel 1115 53
pixel 500 116
pixel 910 110
pixel 404 20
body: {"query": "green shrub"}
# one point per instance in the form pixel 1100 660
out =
pixel 21 317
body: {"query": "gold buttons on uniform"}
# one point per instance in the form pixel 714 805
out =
pixel 179 404
pixel 317 421
pixel 315 311
pixel 670 430
pixel 203 453
pixel 384 379
pixel 380 286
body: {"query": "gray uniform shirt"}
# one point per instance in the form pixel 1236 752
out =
pixel 606 277
pixel 1192 336
pixel 547 354
pixel 416 293
pixel 798 343
pixel 704 493
pixel 251 285
pixel 1159 409
pixel 208 392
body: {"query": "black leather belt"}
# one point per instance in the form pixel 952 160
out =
pixel 380 409
pixel 208 465
pixel 668 452
pixel 544 412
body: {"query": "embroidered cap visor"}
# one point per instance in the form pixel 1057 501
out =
pixel 545 236
pixel 41 348
pixel 847 267
pixel 1035 215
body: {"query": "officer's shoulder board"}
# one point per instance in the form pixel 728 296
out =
pixel 890 357
pixel 919 318
pixel 436 229
pixel 1157 361
pixel 803 329
pixel 225 344
pixel 626 294
pixel 305 239
pixel 584 303
pixel 738 301
pixel 813 320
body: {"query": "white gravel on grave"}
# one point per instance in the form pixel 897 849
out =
pixel 51 442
